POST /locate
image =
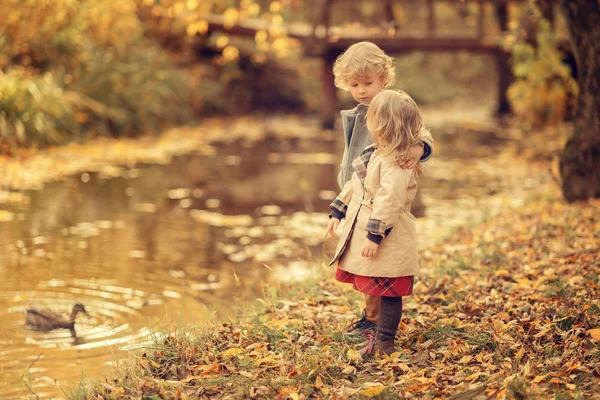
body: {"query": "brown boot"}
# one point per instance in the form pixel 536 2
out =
pixel 376 346
pixel 384 346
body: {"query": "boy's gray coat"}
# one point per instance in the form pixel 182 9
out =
pixel 357 137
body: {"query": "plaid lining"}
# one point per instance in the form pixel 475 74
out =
pixel 360 163
pixel 378 286
pixel 338 209
pixel 376 227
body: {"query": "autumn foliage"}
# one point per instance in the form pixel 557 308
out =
pixel 74 69
pixel 544 91
pixel 508 309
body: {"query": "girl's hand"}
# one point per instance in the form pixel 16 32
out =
pixel 370 249
pixel 332 226
pixel 413 156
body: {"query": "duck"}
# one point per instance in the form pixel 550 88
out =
pixel 41 319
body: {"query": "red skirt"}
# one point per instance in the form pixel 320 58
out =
pixel 378 286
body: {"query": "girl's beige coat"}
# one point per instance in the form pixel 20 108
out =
pixel 385 195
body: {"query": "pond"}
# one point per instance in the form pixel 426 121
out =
pixel 156 246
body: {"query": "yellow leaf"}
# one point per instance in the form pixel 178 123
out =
pixel 230 17
pixel 520 354
pixel 465 359
pixel 261 36
pixel 191 5
pixel 373 391
pixel 503 316
pixel 418 388
pixel 539 378
pixel 230 53
pixel 267 360
pixel 501 272
pixel 524 283
pixel 474 377
pixel 233 352
pixel 353 355
pixel 541 281
pixel 542 332
pixel 155 364
pixel 319 381
pixel 349 370
pixel 422 379
pixel 291 391
pixel 222 41
pixel 117 393
pixel 594 333
pixel 275 7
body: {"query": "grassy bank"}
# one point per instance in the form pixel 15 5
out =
pixel 32 169
pixel 508 309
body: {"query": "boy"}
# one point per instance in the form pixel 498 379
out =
pixel 365 70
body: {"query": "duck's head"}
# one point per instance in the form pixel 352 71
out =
pixel 79 308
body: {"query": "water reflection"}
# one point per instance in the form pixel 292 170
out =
pixel 151 246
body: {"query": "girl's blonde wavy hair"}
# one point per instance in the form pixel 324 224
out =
pixel 360 60
pixel 395 122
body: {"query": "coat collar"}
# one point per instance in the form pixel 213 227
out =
pixel 359 109
pixel 349 119
pixel 360 163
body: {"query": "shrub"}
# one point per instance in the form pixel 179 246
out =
pixel 74 68
pixel 544 89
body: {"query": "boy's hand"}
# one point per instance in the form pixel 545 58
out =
pixel 413 157
pixel 370 249
pixel 332 226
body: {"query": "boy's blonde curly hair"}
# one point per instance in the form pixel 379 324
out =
pixel 360 60
pixel 395 122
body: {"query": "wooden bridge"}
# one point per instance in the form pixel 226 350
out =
pixel 322 40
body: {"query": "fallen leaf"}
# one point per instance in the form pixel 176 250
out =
pixel 474 377
pixel 594 333
pixel 503 316
pixel 319 382
pixel 541 281
pixel 269 360
pixel 417 388
pixel 465 360
pixel 233 352
pixel 118 392
pixel 349 370
pixel 353 355
pixel 423 379
pixel 373 391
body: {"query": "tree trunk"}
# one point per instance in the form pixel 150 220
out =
pixel 505 75
pixel 580 160
pixel 330 101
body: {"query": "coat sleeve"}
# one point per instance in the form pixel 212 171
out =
pixel 388 201
pixel 339 206
pixel 427 140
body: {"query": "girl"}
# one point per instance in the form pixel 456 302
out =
pixel 377 248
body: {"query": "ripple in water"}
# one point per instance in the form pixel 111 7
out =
pixel 115 323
